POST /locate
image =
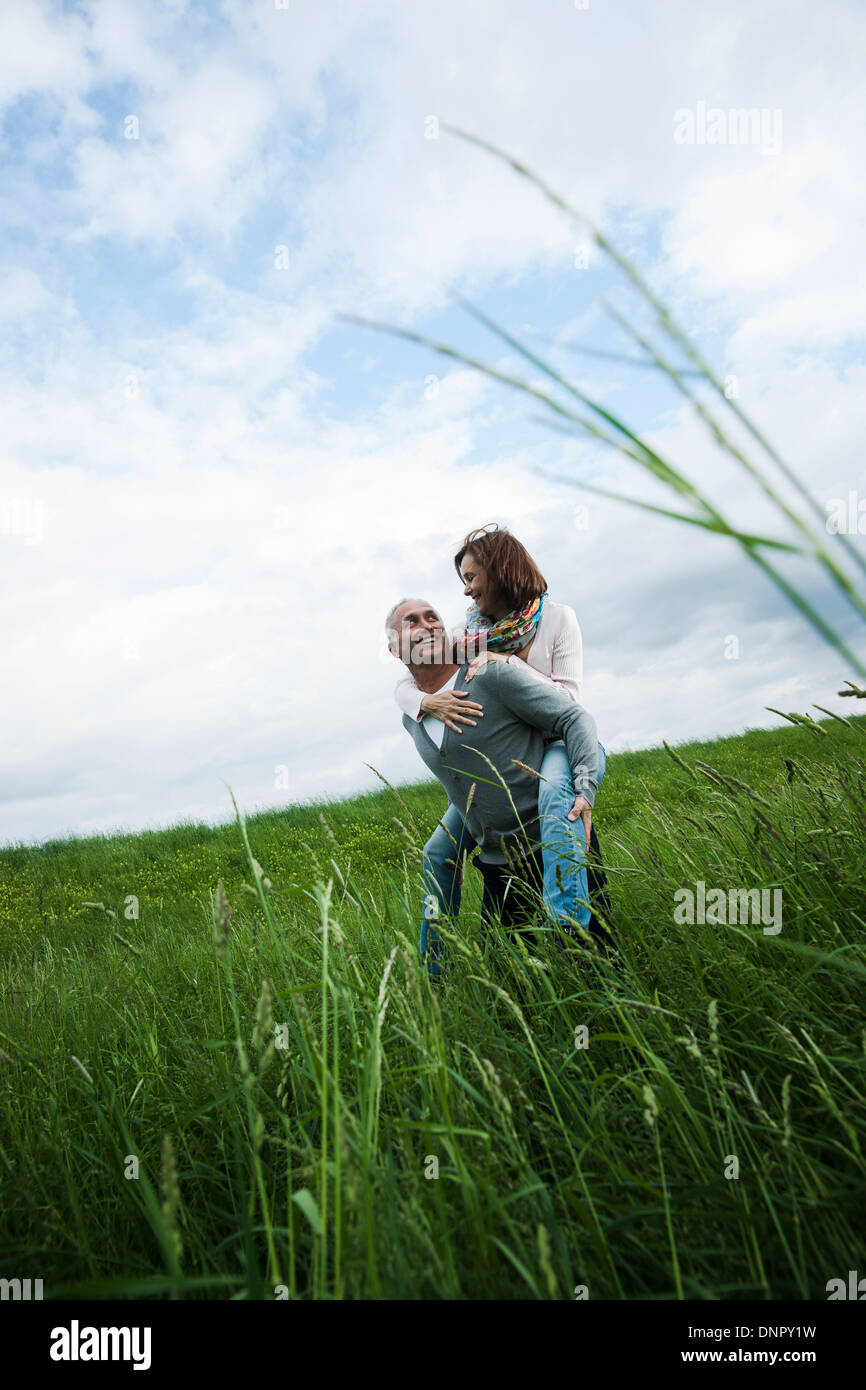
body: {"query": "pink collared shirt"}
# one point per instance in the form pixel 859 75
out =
pixel 556 655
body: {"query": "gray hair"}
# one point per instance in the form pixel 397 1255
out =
pixel 390 630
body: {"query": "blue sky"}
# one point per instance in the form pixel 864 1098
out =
pixel 233 486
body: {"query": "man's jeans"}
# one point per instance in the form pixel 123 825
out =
pixel 443 878
pixel 512 890
pixel 565 886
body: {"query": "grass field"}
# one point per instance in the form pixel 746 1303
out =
pixel 206 1103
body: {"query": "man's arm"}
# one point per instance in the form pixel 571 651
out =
pixel 567 686
pixel 545 707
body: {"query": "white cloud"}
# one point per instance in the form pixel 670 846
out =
pixel 42 49
pixel 193 157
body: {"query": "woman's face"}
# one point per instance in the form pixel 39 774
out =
pixel 476 584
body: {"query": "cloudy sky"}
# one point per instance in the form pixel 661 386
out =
pixel 212 488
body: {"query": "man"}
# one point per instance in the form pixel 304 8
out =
pixel 489 768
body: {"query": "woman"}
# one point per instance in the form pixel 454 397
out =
pixel 511 618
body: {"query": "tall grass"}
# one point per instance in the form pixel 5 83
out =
pixel 836 559
pixel 311 1113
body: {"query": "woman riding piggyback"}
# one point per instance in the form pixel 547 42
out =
pixel 511 618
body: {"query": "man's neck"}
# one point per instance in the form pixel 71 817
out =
pixel 432 678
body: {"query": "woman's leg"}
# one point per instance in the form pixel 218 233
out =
pixel 566 890
pixel 442 875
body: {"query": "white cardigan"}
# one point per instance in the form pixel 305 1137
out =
pixel 556 655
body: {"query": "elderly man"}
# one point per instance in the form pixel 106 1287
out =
pixel 488 769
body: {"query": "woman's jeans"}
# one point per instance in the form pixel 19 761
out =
pixel 563 847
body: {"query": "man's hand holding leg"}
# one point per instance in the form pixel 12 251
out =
pixel 583 809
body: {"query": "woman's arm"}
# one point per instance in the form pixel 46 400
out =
pixel 409 697
pixel 447 705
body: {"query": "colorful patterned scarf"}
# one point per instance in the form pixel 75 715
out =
pixel 508 634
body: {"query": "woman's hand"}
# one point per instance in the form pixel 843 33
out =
pixel 481 660
pixel 449 705
pixel 583 809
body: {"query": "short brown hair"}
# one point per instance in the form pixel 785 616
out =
pixel 508 563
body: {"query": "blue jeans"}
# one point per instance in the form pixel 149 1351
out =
pixel 443 879
pixel 563 855
pixel 563 842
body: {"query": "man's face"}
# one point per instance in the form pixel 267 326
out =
pixel 421 635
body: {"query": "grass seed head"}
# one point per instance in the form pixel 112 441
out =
pixel 651 1111
pixel 546 1261
pixel 264 1018
pixel 713 1021
pixel 221 914
pixel 328 831
pixel 171 1195
pixel 524 767
pixel 84 1072
pixel 786 1111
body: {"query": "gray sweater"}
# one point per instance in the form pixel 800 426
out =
pixel 518 710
